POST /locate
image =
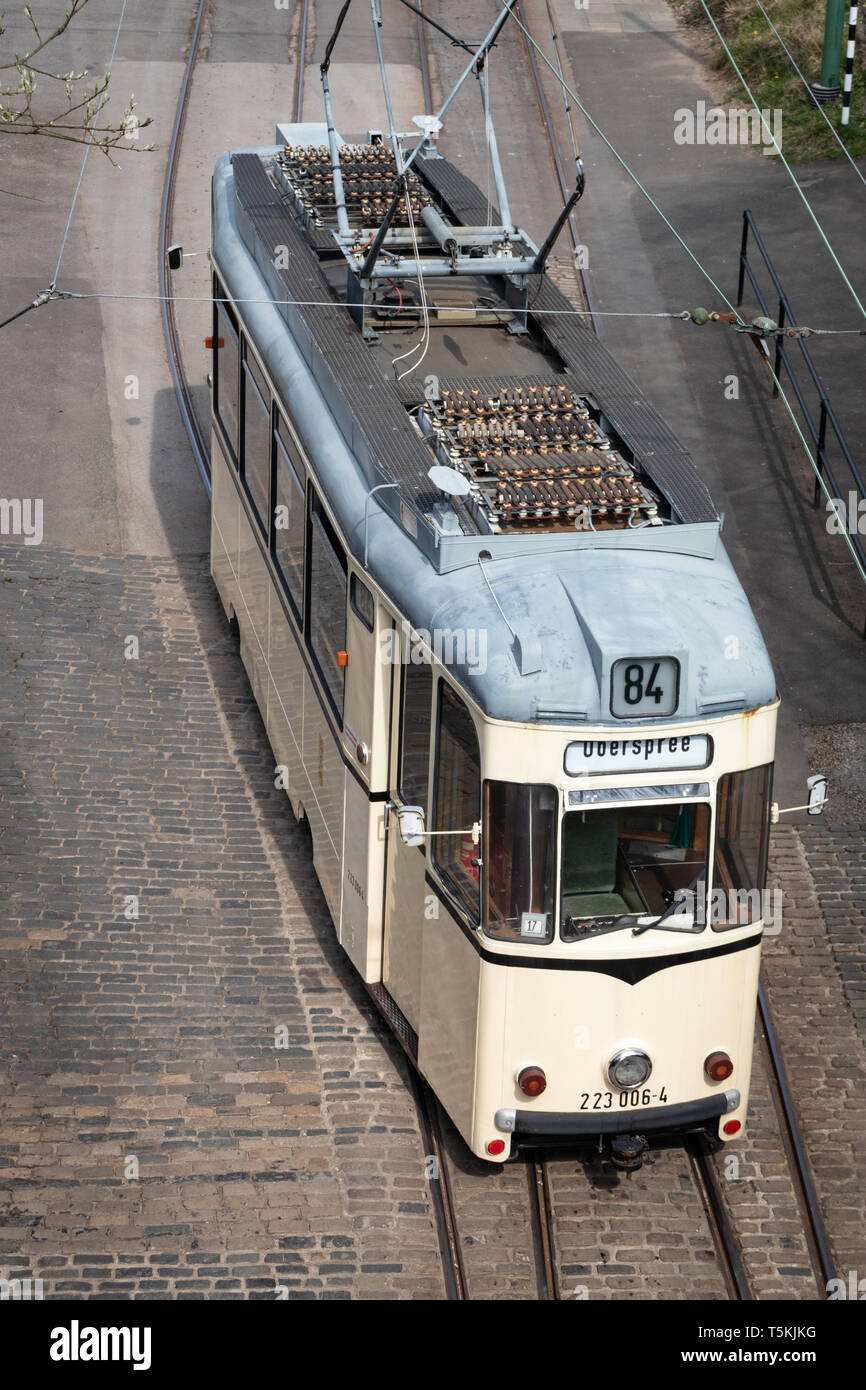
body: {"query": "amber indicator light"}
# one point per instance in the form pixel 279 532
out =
pixel 532 1081
pixel 718 1066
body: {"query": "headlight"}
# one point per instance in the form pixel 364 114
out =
pixel 630 1067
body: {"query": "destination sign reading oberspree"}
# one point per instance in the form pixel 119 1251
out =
pixel 635 754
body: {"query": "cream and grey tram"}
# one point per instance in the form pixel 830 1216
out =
pixel 535 756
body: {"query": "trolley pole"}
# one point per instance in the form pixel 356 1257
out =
pixel 828 88
pixel 849 64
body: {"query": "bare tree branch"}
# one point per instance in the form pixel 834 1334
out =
pixel 78 121
pixel 43 43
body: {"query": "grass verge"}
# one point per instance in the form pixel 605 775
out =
pixel 770 74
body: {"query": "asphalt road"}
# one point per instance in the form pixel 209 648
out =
pixel 90 422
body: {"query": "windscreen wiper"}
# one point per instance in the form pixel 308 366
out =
pixel 674 906
pixel 594 926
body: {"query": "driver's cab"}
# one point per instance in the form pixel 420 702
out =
pixel 629 861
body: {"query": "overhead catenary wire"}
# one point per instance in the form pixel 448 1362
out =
pixel 735 317
pixel 618 157
pixel 50 292
pixel 424 343
pixel 792 175
pixel 684 315
pixel 88 147
pixel 829 124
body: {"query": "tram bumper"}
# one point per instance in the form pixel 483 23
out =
pixel 538 1125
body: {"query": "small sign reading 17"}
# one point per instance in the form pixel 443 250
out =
pixel 642 686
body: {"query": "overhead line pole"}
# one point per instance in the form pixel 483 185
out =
pixel 828 88
pixel 849 65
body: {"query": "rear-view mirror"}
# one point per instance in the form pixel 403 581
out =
pixel 817 793
pixel 410 819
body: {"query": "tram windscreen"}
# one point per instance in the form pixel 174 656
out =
pixel 742 844
pixel 632 860
pixel 520 859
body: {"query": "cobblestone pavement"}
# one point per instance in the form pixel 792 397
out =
pixel 156 1140
pixel 756 1187
pixel 813 969
pixel 643 1236
pixel 646 1236
pixel 836 862
pixel 148 1045
pixel 492 1213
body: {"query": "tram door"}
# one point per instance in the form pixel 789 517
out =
pixel 405 887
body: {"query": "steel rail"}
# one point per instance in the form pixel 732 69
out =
pixel 201 453
pixel 301 56
pixel 564 188
pixel 728 1253
pixel 817 1238
pixel 541 1224
pixel 422 53
pixel 709 1189
pixel 442 1194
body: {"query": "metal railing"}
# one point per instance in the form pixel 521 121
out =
pixel 816 423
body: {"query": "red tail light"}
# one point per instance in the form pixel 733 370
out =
pixel 532 1081
pixel 496 1146
pixel 718 1066
pixel 730 1127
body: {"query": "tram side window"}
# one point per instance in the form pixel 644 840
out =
pixel 742 844
pixel 519 861
pixel 327 614
pixel 362 602
pixel 257 437
pixel 457 800
pixel 289 515
pixel 226 364
pixel 415 734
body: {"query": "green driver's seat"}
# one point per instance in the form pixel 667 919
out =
pixel 589 868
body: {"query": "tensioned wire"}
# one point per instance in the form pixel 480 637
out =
pixel 616 314
pixel 330 304
pixel 618 157
pixel 703 271
pixel 830 126
pixel 806 203
pixel 88 147
pixel 683 314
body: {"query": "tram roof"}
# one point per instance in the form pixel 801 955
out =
pixel 567 603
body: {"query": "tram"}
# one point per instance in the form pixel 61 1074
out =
pixel 506 668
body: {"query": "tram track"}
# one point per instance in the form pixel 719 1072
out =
pixel 817 1239
pixel 704 1172
pixel 730 1256
pixel 541 1218
pixel 200 450
pixel 555 151
pixel 540 1212
pixel 442 1194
